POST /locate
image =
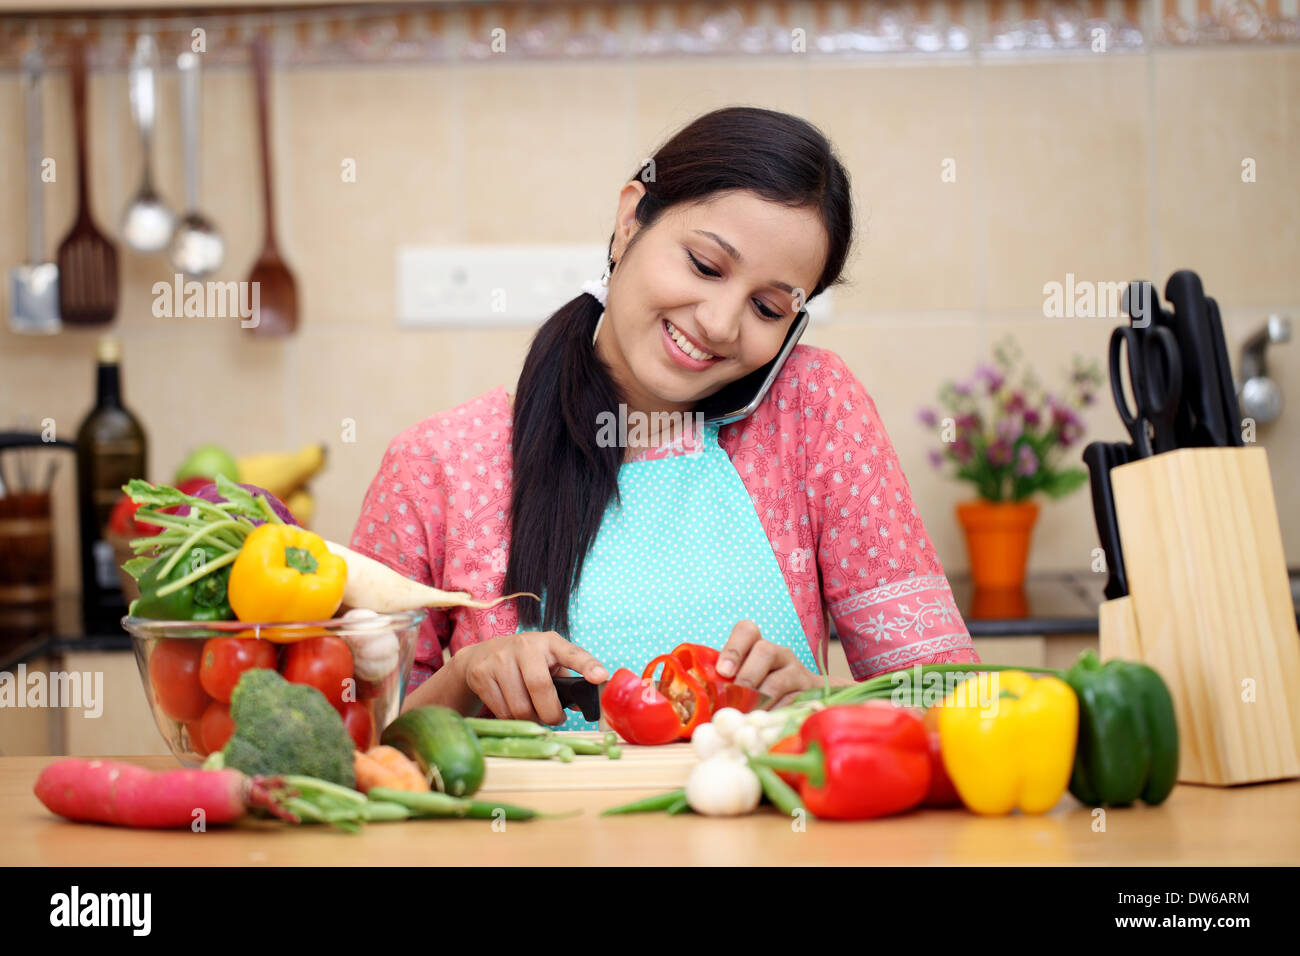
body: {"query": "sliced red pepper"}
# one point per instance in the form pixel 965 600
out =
pixel 688 695
pixel 635 709
pixel 700 660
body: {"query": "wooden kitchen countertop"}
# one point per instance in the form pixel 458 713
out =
pixel 1258 824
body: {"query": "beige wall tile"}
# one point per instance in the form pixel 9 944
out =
pixel 917 242
pixel 1065 173
pixel 1213 110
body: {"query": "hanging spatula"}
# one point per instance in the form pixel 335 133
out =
pixel 87 259
pixel 277 296
pixel 34 286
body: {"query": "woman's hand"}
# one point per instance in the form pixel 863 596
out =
pixel 511 673
pixel 771 669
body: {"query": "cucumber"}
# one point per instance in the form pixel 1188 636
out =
pixel 439 740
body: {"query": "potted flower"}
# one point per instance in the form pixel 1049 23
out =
pixel 1008 437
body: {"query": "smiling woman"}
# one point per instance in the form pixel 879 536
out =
pixel 744 532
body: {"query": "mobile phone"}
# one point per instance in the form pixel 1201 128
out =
pixel 739 398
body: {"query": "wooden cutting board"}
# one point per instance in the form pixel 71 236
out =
pixel 639 768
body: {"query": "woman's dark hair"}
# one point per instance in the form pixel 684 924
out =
pixel 562 478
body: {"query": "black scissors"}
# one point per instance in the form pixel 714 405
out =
pixel 1155 375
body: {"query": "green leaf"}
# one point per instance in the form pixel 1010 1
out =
pixel 1061 483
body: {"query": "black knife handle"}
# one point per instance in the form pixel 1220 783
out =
pixel 1201 384
pixel 581 693
pixel 1231 410
pixel 1100 457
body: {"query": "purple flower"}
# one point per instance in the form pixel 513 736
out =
pixel 927 417
pixel 961 388
pixel 962 450
pixel 967 422
pixel 1015 404
pixel 1032 417
pixel 1069 427
pixel 991 377
pixel 1026 462
pixel 1009 430
pixel 1000 453
pixel 936 459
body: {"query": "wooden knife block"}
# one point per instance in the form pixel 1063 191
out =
pixel 1210 608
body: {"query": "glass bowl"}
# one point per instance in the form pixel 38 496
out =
pixel 168 654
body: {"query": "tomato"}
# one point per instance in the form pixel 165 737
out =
pixel 194 728
pixel 357 720
pixel 323 662
pixel 226 658
pixel 174 677
pixel 216 726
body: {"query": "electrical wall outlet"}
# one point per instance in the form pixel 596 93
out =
pixel 501 285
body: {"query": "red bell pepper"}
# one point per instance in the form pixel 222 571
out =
pixel 687 695
pixel 943 792
pixel 645 714
pixel 860 761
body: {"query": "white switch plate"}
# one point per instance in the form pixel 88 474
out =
pixel 501 285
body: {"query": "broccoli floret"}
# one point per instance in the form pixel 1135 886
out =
pixel 283 728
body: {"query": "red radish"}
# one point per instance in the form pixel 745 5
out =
pixel 104 791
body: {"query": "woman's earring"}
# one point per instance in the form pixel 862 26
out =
pixel 604 280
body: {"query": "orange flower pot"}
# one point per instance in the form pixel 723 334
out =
pixel 997 540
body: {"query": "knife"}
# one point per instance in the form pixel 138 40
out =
pixel 1228 390
pixel 1101 457
pixel 1201 418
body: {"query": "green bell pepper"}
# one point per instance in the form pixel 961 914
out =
pixel 1128 735
pixel 201 599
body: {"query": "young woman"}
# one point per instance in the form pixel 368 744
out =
pixel 744 536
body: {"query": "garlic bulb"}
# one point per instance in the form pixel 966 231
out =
pixel 723 786
pixel 375 649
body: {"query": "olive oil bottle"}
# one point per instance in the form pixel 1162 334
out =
pixel 111 450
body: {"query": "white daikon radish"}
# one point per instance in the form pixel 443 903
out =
pixel 374 585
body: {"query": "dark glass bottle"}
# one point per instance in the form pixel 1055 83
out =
pixel 111 450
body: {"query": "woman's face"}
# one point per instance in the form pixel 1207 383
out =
pixel 706 295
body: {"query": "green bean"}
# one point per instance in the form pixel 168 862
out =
pixel 780 793
pixel 527 748
pixel 315 785
pixel 489 727
pixel 680 805
pixel 581 745
pixel 653 804
pixel 424 804
pixel 487 810
pixel 611 738
pixel 383 810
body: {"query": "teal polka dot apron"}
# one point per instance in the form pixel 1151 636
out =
pixel 683 558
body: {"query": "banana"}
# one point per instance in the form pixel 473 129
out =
pixel 303 506
pixel 282 473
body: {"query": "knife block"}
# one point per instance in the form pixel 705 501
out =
pixel 1211 609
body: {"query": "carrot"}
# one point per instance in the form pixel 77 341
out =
pixel 374 585
pixel 370 773
pixel 409 776
pixel 122 794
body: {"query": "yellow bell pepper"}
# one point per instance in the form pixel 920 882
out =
pixel 285 573
pixel 1013 749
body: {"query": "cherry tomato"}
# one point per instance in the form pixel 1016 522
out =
pixel 216 726
pixel 174 677
pixel 323 662
pixel 357 720
pixel 194 728
pixel 226 658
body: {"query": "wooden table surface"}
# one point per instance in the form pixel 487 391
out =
pixel 1257 824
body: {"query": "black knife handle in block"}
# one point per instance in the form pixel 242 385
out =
pixel 1100 457
pixel 581 693
pixel 1206 425
pixel 1228 390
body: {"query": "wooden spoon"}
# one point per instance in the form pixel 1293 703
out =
pixel 87 260
pixel 277 294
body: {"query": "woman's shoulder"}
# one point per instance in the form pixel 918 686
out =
pixel 811 378
pixel 481 424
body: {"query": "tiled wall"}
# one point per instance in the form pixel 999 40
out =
pixel 1109 168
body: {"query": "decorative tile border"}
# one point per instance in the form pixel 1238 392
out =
pixel 592 29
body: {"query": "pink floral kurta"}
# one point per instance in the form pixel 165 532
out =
pixel 815 458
